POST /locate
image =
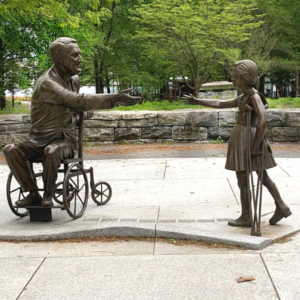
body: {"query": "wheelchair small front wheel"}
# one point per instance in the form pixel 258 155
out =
pixel 75 199
pixel 101 193
pixel 14 192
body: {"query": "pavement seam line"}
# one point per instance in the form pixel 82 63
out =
pixel 30 279
pixel 154 240
pixel 283 170
pixel 269 275
pixel 232 191
pixel 165 170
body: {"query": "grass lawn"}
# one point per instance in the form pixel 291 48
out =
pixel 20 108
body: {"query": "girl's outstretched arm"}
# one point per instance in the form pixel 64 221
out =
pixel 212 102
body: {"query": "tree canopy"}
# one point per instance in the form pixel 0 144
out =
pixel 143 43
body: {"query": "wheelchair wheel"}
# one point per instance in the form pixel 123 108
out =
pixel 75 200
pixel 14 193
pixel 58 194
pixel 101 193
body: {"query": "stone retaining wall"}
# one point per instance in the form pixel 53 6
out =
pixel 161 126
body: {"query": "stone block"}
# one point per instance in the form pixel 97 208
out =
pixel 293 118
pixel 26 118
pixel 18 128
pixel 227 118
pixel 128 133
pixel 168 141
pixel 3 129
pixel 5 119
pixel 277 118
pixel 189 133
pixel 4 139
pixel 100 123
pixel 269 134
pixel 106 115
pixel 98 134
pixel 286 134
pixel 137 115
pixel 138 123
pixel 158 132
pixel 18 138
pixel 215 132
pixel 203 118
pixel 172 118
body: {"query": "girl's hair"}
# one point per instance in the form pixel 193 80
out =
pixel 247 69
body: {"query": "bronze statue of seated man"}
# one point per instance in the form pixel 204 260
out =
pixel 54 113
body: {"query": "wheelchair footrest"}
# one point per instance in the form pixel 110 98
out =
pixel 39 214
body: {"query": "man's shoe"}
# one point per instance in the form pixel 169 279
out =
pixel 30 200
pixel 47 202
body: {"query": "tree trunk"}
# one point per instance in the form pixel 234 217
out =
pixel 2 87
pixel 261 88
pixel 99 82
pixel 197 85
pixel 297 84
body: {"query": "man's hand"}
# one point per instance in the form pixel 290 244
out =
pixel 123 99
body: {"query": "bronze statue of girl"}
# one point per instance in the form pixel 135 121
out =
pixel 244 79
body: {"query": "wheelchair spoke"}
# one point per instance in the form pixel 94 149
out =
pixel 80 199
pixel 81 187
pixel 19 188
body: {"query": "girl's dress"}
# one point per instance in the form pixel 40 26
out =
pixel 237 147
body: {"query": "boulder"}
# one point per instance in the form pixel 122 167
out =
pixel 94 123
pixel 215 132
pixel 172 118
pixel 227 118
pixel 286 134
pixel 128 133
pixel 203 118
pixel 159 132
pixel 189 133
pixel 138 123
pixel 98 134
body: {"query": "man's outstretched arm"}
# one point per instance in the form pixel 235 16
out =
pixel 54 93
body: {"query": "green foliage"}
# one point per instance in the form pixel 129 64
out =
pixel 19 108
pixel 194 36
pixel 159 105
pixel 219 140
pixel 284 103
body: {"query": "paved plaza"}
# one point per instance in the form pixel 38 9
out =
pixel 173 198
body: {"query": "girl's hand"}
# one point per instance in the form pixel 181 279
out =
pixel 255 151
pixel 190 97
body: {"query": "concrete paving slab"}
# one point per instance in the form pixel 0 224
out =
pixel 151 277
pixel 75 249
pixel 127 169
pixel 35 232
pixel 15 274
pixel 171 247
pixel 290 245
pixel 284 271
pixel 183 232
pixel 198 168
pixel 288 187
pixel 290 165
pixel 172 192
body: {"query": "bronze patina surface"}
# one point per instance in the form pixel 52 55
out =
pixel 56 103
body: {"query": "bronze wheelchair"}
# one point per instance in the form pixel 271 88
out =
pixel 72 192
